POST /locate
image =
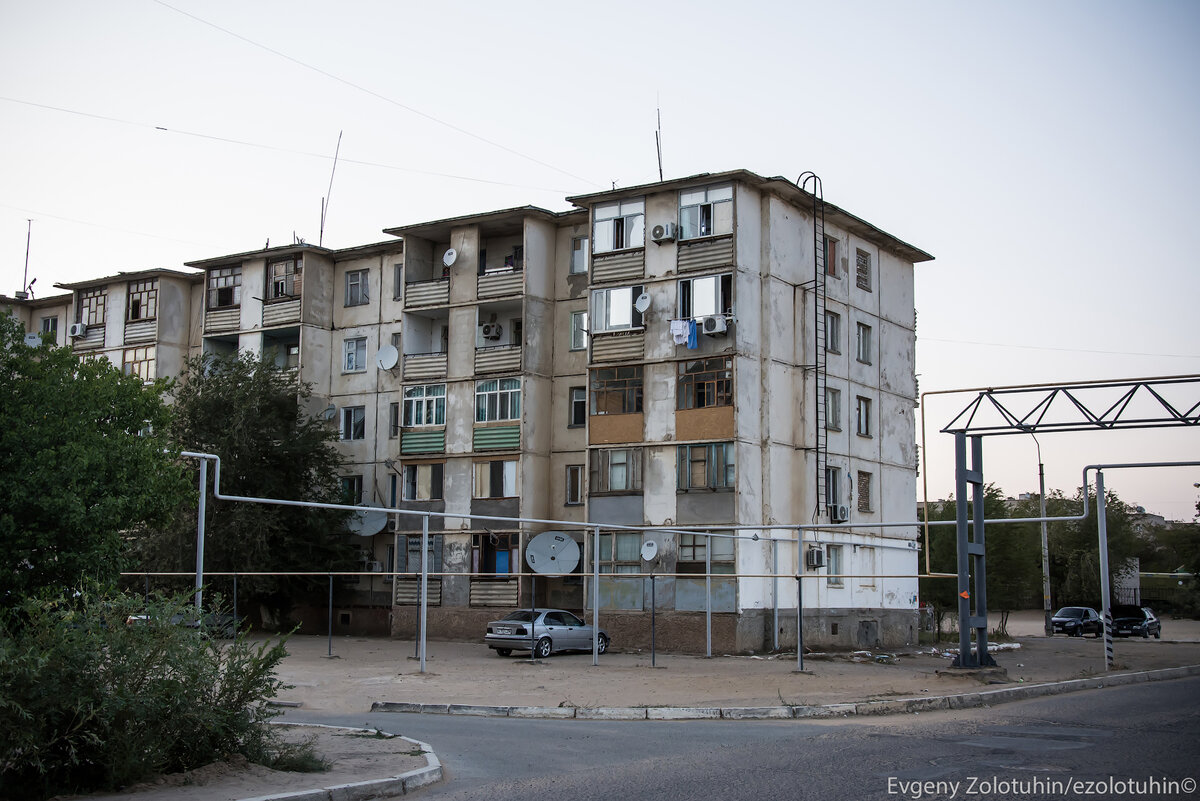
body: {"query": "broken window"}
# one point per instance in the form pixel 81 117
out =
pixel 143 300
pixel 617 390
pixel 616 470
pixel 225 287
pixel 705 383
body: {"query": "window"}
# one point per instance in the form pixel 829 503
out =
pixel 283 276
pixel 579 330
pixel 862 271
pixel 393 420
pixel 833 565
pixel 864 491
pixel 494 554
pixel 579 255
pixel 425 405
pixel 617 390
pixel 706 212
pixel 498 399
pixel 612 309
pixel 358 288
pixel 143 300
pixel 397 281
pixel 574 485
pixel 705 383
pixel 705 297
pixel 831 256
pixel 393 497
pixel 225 288
pixel 578 407
pixel 91 306
pixel 833 489
pixel 620 225
pixel 139 362
pixel 50 325
pixel 863 416
pixel 352 490
pixel 708 466
pixel 423 482
pixel 496 479
pixel 693 548
pixel 356 355
pixel 354 422
pixel 621 552
pixel 833 332
pixel 616 470
pixel 833 409
pixel 864 343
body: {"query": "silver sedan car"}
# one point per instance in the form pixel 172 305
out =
pixel 553 630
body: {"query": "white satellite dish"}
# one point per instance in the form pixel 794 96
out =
pixel 552 553
pixel 367 522
pixel 387 357
pixel 642 303
pixel 649 550
pixel 449 257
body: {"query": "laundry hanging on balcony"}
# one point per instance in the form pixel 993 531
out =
pixel 691 340
pixel 679 331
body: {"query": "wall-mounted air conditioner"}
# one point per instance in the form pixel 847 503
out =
pixel 490 330
pixel 78 330
pixel 714 326
pixel 839 513
pixel 814 558
pixel 666 232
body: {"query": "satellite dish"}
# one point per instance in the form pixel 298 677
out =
pixel 387 357
pixel 552 553
pixel 449 257
pixel 649 550
pixel 642 303
pixel 367 522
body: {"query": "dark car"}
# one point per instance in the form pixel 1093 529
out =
pixel 1135 621
pixel 1076 621
pixel 553 630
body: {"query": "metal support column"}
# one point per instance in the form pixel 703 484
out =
pixel 200 539
pixel 972 612
pixel 1105 589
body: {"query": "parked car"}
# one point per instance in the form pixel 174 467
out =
pixel 553 630
pixel 1135 621
pixel 1076 621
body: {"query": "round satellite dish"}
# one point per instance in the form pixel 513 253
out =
pixel 387 357
pixel 367 522
pixel 642 303
pixel 552 553
pixel 449 257
pixel 649 550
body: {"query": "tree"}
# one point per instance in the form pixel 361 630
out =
pixel 1074 545
pixel 82 465
pixel 251 413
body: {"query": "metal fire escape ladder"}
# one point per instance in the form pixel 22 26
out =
pixel 818 361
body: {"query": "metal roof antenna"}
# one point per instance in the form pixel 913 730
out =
pixel 329 192
pixel 26 285
pixel 658 136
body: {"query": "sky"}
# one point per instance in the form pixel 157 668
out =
pixel 1044 153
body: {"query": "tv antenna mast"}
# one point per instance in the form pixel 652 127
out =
pixel 26 285
pixel 658 137
pixel 329 193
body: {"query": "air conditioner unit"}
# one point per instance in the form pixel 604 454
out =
pixel 714 326
pixel 374 567
pixel 667 232
pixel 78 330
pixel 839 513
pixel 490 330
pixel 814 558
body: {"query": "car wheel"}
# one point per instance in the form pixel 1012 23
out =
pixel 601 644
pixel 1096 636
pixel 503 651
pixel 543 648
pixel 1145 634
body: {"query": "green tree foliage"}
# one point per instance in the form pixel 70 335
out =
pixel 1075 549
pixel 82 465
pixel 251 413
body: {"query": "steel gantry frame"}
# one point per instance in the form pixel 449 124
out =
pixel 968 430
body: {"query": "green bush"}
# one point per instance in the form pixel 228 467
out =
pixel 97 692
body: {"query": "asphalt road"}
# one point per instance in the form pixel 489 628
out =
pixel 1140 732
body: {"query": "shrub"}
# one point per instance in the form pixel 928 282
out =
pixel 99 691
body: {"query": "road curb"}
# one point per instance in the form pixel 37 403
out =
pixel 386 787
pixel 892 706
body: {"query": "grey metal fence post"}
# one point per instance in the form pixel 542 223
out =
pixel 424 586
pixel 200 538
pixel 596 596
pixel 775 594
pixel 1102 525
pixel 708 595
pixel 235 608
pixel 330 614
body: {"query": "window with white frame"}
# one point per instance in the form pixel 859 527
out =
pixel 864 491
pixel 358 288
pixel 355 350
pixel 616 470
pixel 694 549
pixel 139 361
pixel 863 351
pixel 354 422
pixel 707 211
pixel 579 330
pixel 833 332
pixel 862 416
pixel 620 225
pixel 574 485
pixel 707 296
pixel 424 482
pixel 579 406
pixel 393 420
pixel 352 490
pixel 142 302
pixel 498 399
pixel 709 466
pixel 92 303
pixel 833 486
pixel 50 325
pixel 862 270
pixel 833 565
pixel 496 479
pixel 705 383
pixel 612 309
pixel 579 255
pixel 617 390
pixel 425 405
pixel 283 277
pixel 225 287
pixel 621 552
pixel 833 409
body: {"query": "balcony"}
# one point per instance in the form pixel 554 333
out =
pixel 281 312
pixel 501 284
pixel 618 346
pixel 498 359
pixel 424 365
pixel 224 319
pixel 427 293
pixel 702 254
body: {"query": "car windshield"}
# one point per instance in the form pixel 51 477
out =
pixel 1127 611
pixel 1069 611
pixel 520 616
